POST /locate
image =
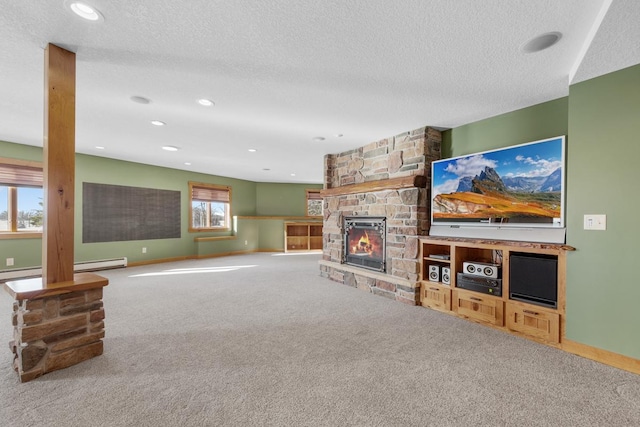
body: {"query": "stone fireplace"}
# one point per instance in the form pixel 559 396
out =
pixel 387 179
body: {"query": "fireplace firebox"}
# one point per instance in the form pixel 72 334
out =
pixel 365 242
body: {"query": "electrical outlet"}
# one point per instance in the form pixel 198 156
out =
pixel 595 222
pixel 10 262
pixel 144 250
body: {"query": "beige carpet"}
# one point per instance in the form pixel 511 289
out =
pixel 261 339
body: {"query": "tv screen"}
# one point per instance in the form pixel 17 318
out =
pixel 518 187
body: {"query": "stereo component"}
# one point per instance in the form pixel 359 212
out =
pixel 434 273
pixel 484 285
pixel 446 275
pixel 481 269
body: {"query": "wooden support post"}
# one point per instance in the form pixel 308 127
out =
pixel 59 165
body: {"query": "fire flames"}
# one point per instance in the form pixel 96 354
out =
pixel 363 245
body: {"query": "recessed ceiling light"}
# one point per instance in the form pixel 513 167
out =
pixel 293 174
pixel 318 138
pixel 252 150
pixel 84 10
pixel 140 99
pixel 187 163
pixel 99 147
pixel 158 123
pixel 541 42
pixel 206 102
pixel 170 148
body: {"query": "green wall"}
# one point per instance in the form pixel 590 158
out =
pixel 602 173
pixel 273 200
pixel 282 199
pixel 537 122
pixel 246 196
pixel 601 118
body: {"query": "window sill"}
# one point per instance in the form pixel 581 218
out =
pixel 208 230
pixel 8 235
pixel 214 238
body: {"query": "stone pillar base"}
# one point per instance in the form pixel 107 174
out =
pixel 56 326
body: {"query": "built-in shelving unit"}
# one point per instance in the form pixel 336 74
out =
pixel 302 236
pixel 497 307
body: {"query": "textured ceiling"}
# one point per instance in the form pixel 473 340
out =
pixel 283 72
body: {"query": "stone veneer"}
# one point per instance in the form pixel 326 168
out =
pixel 57 331
pixel 406 209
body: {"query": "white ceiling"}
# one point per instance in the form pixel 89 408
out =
pixel 282 72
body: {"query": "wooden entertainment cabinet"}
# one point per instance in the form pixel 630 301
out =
pixel 531 320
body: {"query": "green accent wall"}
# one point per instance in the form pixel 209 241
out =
pixel 534 123
pixel 274 199
pixel 248 199
pixel 602 172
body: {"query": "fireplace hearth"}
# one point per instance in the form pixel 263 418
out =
pixel 365 242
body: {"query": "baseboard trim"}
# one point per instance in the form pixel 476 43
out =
pixel 221 254
pixel 183 258
pixel 610 358
pixel 158 261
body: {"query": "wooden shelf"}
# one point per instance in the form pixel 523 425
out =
pixel 302 236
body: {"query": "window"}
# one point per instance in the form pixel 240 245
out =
pixel 210 207
pixel 21 196
pixel 314 203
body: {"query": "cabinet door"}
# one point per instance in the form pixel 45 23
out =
pixel 436 297
pixel 535 323
pixel 480 307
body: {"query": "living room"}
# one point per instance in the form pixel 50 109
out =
pixel 598 118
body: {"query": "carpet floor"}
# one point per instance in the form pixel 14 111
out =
pixel 263 340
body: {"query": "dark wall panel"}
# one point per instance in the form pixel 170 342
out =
pixel 114 213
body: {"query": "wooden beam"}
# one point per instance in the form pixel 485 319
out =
pixel 419 181
pixel 59 164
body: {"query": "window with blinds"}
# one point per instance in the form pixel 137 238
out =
pixel 210 207
pixel 314 203
pixel 21 195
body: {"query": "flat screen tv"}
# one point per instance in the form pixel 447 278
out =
pixel 512 193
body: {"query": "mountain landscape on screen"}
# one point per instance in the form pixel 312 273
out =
pixel 521 184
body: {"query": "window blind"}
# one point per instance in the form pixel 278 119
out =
pixel 20 175
pixel 208 194
pixel 313 195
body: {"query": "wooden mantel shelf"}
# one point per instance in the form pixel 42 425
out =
pixel 34 288
pixel 511 243
pixel 419 181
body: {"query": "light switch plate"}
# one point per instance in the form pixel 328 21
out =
pixel 595 222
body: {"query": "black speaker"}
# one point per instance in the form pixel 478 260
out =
pixel 533 278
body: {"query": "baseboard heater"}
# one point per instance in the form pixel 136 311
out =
pixel 103 264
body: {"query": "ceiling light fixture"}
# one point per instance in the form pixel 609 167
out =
pixel 252 150
pixel 318 139
pixel 206 102
pixel 170 148
pixel 99 147
pixel 266 169
pixel 293 174
pixel 187 163
pixel 85 11
pixel 541 42
pixel 140 99
pixel 157 123
pixel 339 135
